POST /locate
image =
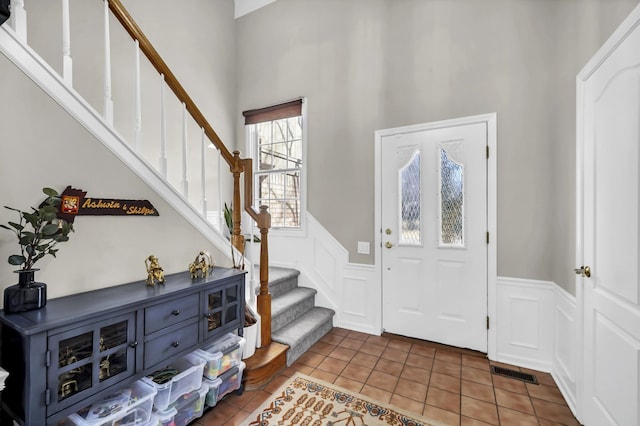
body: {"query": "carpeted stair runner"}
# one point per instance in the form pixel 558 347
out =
pixel 295 320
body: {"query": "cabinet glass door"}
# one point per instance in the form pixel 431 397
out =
pixel 89 357
pixel 222 308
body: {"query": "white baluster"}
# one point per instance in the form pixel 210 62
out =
pixel 108 102
pixel 67 62
pixel 163 130
pixel 185 182
pixel 137 129
pixel 222 224
pixel 202 172
pixel 19 19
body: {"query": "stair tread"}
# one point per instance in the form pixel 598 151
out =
pixel 292 297
pixel 296 331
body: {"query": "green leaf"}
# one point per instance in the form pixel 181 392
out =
pixel 30 251
pixel 11 208
pixel 50 192
pixel 32 218
pixel 16 259
pixel 60 238
pixel 17 226
pixel 27 240
pixel 6 227
pixel 50 229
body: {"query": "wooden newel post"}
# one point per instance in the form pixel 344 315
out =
pixel 237 240
pixel 264 297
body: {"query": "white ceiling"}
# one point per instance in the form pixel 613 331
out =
pixel 242 7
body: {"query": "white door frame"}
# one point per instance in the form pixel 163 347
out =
pixel 492 265
pixel 622 32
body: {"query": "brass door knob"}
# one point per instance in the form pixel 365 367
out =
pixel 388 245
pixel 584 271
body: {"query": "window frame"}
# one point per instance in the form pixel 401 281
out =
pixel 251 141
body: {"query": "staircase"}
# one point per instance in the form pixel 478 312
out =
pixel 296 325
pixel 295 320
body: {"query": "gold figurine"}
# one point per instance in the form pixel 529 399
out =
pixel 201 265
pixel 155 272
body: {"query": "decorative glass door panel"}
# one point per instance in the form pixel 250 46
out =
pixel 74 362
pixel 89 357
pixel 410 197
pixel 214 310
pixel 222 309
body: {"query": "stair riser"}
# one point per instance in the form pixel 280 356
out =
pixel 283 286
pixel 291 313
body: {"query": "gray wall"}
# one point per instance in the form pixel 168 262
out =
pixel 366 65
pixel 45 146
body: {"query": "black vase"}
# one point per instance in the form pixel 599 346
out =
pixel 27 295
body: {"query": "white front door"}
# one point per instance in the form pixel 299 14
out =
pixel 608 162
pixel 434 233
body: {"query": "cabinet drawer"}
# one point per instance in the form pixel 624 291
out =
pixel 169 313
pixel 166 346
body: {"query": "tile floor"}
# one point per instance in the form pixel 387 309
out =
pixel 454 386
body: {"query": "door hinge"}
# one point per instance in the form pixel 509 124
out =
pixel 47 358
pixel 487 237
pixel 487 151
pixel 487 322
pixel 47 396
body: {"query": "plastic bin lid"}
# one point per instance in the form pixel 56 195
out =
pixel 212 383
pixel 225 342
pixel 208 356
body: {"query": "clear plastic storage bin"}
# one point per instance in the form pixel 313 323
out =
pixel 190 406
pixel 165 418
pixel 130 405
pixel 231 380
pixel 231 347
pixel 188 378
pixel 213 362
pixel 212 396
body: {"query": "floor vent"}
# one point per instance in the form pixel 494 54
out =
pixel 525 377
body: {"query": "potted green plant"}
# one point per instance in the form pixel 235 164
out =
pixel 38 231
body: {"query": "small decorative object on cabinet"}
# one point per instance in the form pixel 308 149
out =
pixel 201 265
pixel 38 232
pixel 79 349
pixel 155 273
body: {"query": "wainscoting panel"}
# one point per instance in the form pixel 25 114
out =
pixel 525 323
pixel 566 341
pixel 351 290
pixel 537 328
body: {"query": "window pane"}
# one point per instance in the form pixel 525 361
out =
pixel 281 192
pixel 279 130
pixel 410 196
pixel 279 148
pixel 451 200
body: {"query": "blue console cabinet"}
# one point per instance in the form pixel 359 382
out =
pixel 79 348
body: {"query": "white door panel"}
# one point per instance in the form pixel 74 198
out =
pixel 610 140
pixel 434 223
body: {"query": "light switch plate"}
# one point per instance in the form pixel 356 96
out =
pixel 363 247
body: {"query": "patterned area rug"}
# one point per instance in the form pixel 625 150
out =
pixel 307 401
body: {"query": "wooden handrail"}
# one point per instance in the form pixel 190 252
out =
pixel 152 54
pixel 237 165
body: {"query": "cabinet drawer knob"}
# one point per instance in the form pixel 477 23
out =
pixel 133 344
pixel 176 312
pixel 175 344
pixel 208 315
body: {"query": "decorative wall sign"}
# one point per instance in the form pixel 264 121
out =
pixel 76 203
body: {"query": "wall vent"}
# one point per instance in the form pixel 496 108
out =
pixel 525 377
